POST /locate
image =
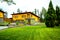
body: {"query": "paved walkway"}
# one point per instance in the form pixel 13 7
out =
pixel 3 27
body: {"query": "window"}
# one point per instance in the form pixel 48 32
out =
pixel 16 16
pixel 31 15
pixel 28 15
pixel 1 19
pixel 33 19
pixel 23 16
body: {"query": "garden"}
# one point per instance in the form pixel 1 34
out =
pixel 31 32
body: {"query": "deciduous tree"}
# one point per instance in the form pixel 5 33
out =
pixel 9 2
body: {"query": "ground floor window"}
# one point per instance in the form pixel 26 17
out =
pixel 1 19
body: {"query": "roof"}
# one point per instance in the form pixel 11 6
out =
pixel 10 18
pixel 26 13
pixel 2 11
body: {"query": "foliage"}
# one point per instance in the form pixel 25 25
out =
pixel 57 16
pixel 18 10
pixel 43 11
pixel 17 22
pixel 9 2
pixel 41 19
pixel 42 14
pixel 4 23
pixel 35 11
pixel 50 16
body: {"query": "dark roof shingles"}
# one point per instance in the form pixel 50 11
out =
pixel 26 13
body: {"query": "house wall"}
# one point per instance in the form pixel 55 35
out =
pixel 1 19
pixel 1 15
pixel 34 17
pixel 19 17
pixel 25 16
pixel 8 20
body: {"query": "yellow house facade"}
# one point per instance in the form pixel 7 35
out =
pixel 26 16
pixel 3 15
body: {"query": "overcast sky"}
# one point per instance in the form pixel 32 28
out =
pixel 27 5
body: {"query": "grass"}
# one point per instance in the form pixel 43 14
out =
pixel 37 32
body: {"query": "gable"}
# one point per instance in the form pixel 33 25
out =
pixel 33 14
pixel 28 14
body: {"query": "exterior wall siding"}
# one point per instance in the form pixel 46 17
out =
pixel 19 17
pixel 25 17
pixel 1 15
pixel 1 19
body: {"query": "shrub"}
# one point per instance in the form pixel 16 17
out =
pixel 4 23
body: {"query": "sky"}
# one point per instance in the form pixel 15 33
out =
pixel 27 5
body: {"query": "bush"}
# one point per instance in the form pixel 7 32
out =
pixel 50 16
pixel 50 23
pixel 17 22
pixel 4 23
pixel 56 23
pixel 47 23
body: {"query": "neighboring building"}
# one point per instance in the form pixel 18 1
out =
pixel 2 16
pixel 8 20
pixel 29 17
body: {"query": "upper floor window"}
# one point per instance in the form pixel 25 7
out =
pixel 31 15
pixel 28 15
pixel 23 16
pixel 16 16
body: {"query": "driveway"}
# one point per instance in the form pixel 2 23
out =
pixel 3 27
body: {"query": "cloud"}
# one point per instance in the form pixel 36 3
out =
pixel 27 5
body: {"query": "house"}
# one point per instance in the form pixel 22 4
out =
pixel 27 17
pixel 8 20
pixel 2 16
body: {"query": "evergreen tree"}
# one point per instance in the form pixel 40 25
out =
pixel 50 16
pixel 35 11
pixel 41 18
pixel 6 14
pixel 38 14
pixel 18 10
pixel 57 16
pixel 42 14
pixel 1 9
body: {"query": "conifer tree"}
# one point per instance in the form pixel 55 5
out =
pixel 57 16
pixel 42 14
pixel 50 16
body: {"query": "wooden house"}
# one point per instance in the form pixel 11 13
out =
pixel 29 17
pixel 3 15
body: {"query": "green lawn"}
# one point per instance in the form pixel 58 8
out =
pixel 37 32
